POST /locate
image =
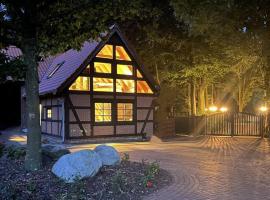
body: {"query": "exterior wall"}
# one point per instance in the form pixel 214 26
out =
pixel 81 125
pixel 143 108
pixel 52 126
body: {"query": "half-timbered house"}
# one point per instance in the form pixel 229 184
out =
pixel 102 90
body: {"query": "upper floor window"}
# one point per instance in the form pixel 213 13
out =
pixel 124 69
pixel 102 67
pixel 121 53
pixel 103 84
pixel 125 86
pixel 106 52
pixel 143 87
pixel 139 75
pixel 81 83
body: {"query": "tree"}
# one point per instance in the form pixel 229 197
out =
pixel 40 28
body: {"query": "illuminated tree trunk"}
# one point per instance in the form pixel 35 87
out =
pixel 189 99
pixel 240 96
pixel 206 97
pixel 193 98
pixel 201 97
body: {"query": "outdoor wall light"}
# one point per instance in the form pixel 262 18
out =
pixel 223 109
pixel 213 108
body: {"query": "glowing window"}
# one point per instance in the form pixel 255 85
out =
pixel 124 112
pixel 102 67
pixel 49 113
pixel 124 69
pixel 103 112
pixel 103 84
pixel 125 86
pixel 81 83
pixel 143 87
pixel 106 52
pixel 139 75
pixel 121 53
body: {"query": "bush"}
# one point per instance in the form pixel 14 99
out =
pixel 15 152
pixel 125 157
pixel 2 148
pixel 151 171
pixel 118 183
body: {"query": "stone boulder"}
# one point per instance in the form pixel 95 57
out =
pixel 54 151
pixel 78 165
pixel 108 155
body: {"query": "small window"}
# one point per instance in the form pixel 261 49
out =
pixel 49 113
pixel 143 87
pixel 121 53
pixel 87 70
pixel 106 52
pixel 102 67
pixel 103 84
pixel 103 112
pixel 125 112
pixel 81 83
pixel 125 86
pixel 139 75
pixel 55 69
pixel 124 69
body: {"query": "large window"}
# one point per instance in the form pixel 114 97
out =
pixel 106 52
pixel 143 87
pixel 121 53
pixel 81 83
pixel 102 67
pixel 124 112
pixel 124 69
pixel 103 112
pixel 125 86
pixel 103 84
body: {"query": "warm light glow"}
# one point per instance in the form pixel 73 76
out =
pixel 223 109
pixel 103 112
pixel 125 86
pixel 213 108
pixel 124 112
pixel 143 87
pixel 106 52
pixel 103 84
pixel 82 83
pixel 124 69
pixel 102 67
pixel 121 53
pixel 263 108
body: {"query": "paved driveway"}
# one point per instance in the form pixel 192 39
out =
pixel 209 168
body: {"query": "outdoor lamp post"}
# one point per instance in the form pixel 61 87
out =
pixel 223 109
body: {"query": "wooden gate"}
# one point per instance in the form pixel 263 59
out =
pixel 230 124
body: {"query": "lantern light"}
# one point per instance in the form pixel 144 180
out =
pixel 213 108
pixel 223 109
pixel 263 108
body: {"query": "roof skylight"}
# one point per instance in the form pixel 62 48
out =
pixel 55 69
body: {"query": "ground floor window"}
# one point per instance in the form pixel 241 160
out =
pixel 124 112
pixel 103 112
pixel 49 113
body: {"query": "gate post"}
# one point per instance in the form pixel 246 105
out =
pixel 232 124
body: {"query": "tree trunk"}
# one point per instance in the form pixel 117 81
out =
pixel 206 98
pixel 201 98
pixel 212 95
pixel 33 153
pixel 240 96
pixel 189 99
pixel 193 98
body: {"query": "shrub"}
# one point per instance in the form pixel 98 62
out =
pixel 151 171
pixel 15 152
pixel 2 147
pixel 118 183
pixel 125 157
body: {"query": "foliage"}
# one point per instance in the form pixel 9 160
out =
pixel 14 68
pixel 151 172
pixel 118 183
pixel 2 147
pixel 15 152
pixel 125 157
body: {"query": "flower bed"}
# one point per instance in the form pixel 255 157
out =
pixel 128 180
